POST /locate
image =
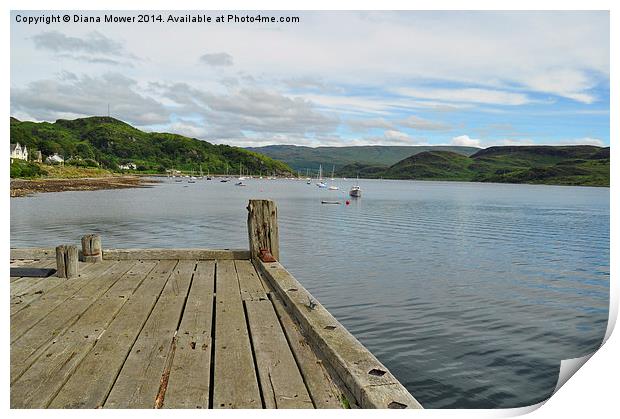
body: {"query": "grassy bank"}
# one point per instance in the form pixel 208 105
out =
pixel 28 170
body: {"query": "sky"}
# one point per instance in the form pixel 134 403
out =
pixel 332 79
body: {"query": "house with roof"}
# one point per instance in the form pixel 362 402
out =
pixel 54 159
pixel 18 152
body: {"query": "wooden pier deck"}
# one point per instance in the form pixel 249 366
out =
pixel 183 329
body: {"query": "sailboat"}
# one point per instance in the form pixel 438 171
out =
pixel 319 178
pixel 333 187
pixel 226 179
pixel 356 191
pixel 201 175
pixel 241 177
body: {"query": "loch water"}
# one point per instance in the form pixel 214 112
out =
pixel 469 293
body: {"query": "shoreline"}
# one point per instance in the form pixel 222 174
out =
pixel 27 187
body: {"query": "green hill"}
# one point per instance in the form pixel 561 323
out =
pixel 558 165
pixel 302 158
pixel 431 165
pixel 111 142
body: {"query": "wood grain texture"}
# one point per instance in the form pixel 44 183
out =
pixel 137 385
pixel 92 381
pixel 235 383
pixel 189 380
pixel 281 382
pixel 250 285
pixel 324 393
pixel 41 382
pixel 263 230
pixel 22 321
pixel 28 347
pixel 180 254
pixel 34 253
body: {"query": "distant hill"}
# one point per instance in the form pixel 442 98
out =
pixel 558 165
pixel 111 142
pixel 302 158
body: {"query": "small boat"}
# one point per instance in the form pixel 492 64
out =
pixel 240 184
pixel 356 191
pixel 319 178
pixel 224 180
pixel 333 187
pixel 330 202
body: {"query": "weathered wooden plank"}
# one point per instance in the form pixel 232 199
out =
pixel 34 312
pixel 235 383
pixel 27 348
pixel 369 381
pixel 40 383
pixel 188 384
pixel 180 254
pixel 281 382
pixel 249 282
pixel 33 292
pixel 22 262
pixel 324 393
pixel 99 369
pixel 138 383
pixel 34 253
pixel 23 284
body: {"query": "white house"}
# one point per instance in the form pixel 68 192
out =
pixel 128 166
pixel 19 152
pixel 54 159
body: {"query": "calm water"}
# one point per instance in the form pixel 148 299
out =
pixel 470 293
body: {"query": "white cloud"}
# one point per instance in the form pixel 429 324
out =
pixel 465 140
pixel 217 59
pixel 314 74
pixel 473 95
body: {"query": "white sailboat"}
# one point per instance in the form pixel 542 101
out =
pixel 319 178
pixel 241 177
pixel 333 187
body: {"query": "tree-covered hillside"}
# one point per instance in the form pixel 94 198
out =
pixel 558 165
pixel 111 143
pixel 302 158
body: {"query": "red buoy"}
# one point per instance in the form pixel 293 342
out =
pixel 347 202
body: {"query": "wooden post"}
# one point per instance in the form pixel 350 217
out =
pixel 263 230
pixel 66 261
pixel 91 248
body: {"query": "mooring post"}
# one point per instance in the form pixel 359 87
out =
pixel 66 261
pixel 263 230
pixel 91 248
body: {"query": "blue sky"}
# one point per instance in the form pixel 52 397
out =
pixel 335 78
